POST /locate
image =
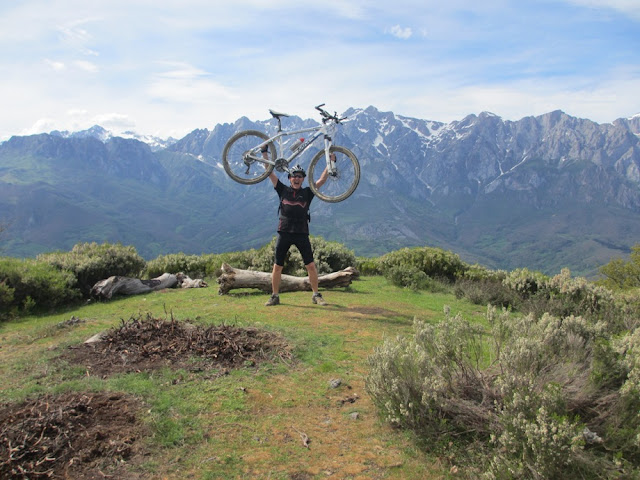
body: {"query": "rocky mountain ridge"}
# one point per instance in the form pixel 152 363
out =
pixel 542 192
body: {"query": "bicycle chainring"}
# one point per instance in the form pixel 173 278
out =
pixel 281 165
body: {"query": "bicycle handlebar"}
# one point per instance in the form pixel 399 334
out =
pixel 327 116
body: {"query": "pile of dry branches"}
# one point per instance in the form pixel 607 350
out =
pixel 147 343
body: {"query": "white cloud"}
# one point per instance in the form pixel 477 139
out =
pixel 179 70
pixel 58 66
pixel 77 112
pixel 74 34
pixel 77 37
pixel 79 119
pixel 114 122
pixel 172 66
pixel 628 7
pixel 602 102
pixel 86 66
pixel 185 83
pixel 401 32
pixel 42 125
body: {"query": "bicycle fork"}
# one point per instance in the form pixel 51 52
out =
pixel 258 154
pixel 331 164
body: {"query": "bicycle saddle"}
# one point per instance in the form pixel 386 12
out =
pixel 277 114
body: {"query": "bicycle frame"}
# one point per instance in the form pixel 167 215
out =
pixel 326 130
pixel 338 175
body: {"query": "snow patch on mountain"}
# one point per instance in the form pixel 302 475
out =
pixel 104 135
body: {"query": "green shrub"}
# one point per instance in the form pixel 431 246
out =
pixel 6 300
pixel 195 266
pixel 434 262
pixel 536 293
pixel 524 281
pixel 607 370
pixel 408 277
pixel 416 382
pixel 534 441
pixel 531 392
pixel 628 348
pixel 628 306
pixel 368 266
pixel 623 423
pixel 483 286
pixel 477 272
pixel 264 256
pixel 90 262
pixel 577 296
pixel 25 284
pixel 562 295
pixel 486 291
pixel 621 275
pixel 328 256
pixel 243 259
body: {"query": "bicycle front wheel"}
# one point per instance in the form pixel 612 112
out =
pixel 242 163
pixel 340 185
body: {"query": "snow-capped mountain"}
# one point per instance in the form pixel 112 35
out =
pixel 100 133
pixel 542 192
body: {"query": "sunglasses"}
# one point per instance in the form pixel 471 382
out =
pixel 297 176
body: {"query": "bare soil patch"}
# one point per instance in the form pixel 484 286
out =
pixel 75 435
pixel 95 435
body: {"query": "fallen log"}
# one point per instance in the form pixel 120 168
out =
pixel 107 288
pixel 116 284
pixel 233 278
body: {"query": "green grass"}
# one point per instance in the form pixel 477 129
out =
pixel 247 424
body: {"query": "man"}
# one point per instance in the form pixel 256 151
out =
pixel 293 229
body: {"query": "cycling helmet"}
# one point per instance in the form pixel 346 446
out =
pixel 297 169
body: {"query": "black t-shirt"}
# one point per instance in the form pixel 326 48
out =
pixel 294 208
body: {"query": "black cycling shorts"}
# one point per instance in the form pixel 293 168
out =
pixel 300 240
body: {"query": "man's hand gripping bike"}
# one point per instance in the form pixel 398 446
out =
pixel 250 156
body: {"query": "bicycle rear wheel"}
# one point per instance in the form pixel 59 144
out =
pixel 241 168
pixel 343 183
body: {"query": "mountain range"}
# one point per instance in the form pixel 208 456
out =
pixel 543 192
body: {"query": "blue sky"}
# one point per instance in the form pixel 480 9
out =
pixel 167 67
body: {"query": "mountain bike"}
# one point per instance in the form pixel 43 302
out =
pixel 250 156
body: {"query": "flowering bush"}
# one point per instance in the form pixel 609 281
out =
pixel 561 295
pixel 524 281
pixel 420 382
pixel 539 445
pixel 577 295
pixel 532 392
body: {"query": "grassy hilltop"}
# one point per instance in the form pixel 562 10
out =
pixel 248 424
pixel 403 375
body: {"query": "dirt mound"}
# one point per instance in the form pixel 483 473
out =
pixel 148 343
pixel 75 435
pixel 95 435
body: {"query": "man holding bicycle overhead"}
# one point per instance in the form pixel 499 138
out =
pixel 293 229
